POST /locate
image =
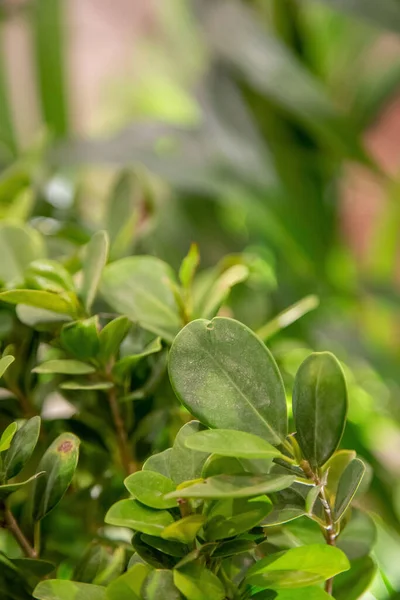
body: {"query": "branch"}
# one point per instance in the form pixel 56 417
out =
pixel 13 527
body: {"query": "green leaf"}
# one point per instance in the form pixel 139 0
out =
pixel 124 212
pixel 288 316
pixel 13 585
pixel 386 14
pixel 352 584
pixel 358 536
pixel 198 583
pixel 235 383
pixel 298 567
pixel 7 436
pixel 222 465
pixel 59 589
pixel 189 266
pixel 81 338
pixel 48 275
pixel 94 261
pixel 111 337
pixel 219 292
pixel 233 548
pixel 347 487
pixel 234 486
pixel 227 442
pixel 160 584
pixel 39 318
pixel 59 303
pixel 59 463
pixel 133 515
pixel 139 287
pixel 128 586
pixel 150 555
pixel 150 488
pixel 308 593
pixel 5 362
pixel 92 564
pixel 173 548
pixel 335 467
pixel 10 488
pixel 232 517
pixel 65 367
pixel 159 463
pixel 186 464
pixel 319 407
pixel 19 245
pixel 33 566
pixel 125 365
pixel 21 448
pixel 77 385
pixel 184 530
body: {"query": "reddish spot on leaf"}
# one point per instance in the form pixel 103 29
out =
pixel 65 446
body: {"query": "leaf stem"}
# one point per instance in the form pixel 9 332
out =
pixel 13 527
pixel 37 538
pixel 122 437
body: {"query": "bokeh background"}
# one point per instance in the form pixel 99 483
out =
pixel 266 127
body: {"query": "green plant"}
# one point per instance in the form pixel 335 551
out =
pixel 213 516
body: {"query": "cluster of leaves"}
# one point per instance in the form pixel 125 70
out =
pixel 209 515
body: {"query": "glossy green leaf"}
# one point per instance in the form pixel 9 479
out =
pixel 233 548
pixel 5 362
pixel 222 465
pixel 133 515
pixel 159 463
pixel 10 488
pixel 335 467
pixel 232 517
pixel 22 447
pixel 64 367
pixel 81 338
pixel 7 436
pixel 150 488
pixel 319 407
pixel 298 567
pixel 186 464
pixel 32 566
pixel 58 303
pixel 58 589
pixel 235 383
pixel 95 259
pixel 189 266
pixel 228 442
pixel 19 245
pixel 59 463
pixel 184 530
pixel 128 586
pixel 198 583
pixel 347 487
pixel 91 565
pixel 160 584
pixel 173 548
pixel 13 585
pixel 48 275
pixel 150 555
pixel 234 486
pixel 352 584
pixel 111 337
pixel 139 287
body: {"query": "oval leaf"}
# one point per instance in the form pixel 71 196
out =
pixel 198 583
pixel 58 303
pixel 319 406
pixel 184 530
pixel 347 487
pixel 232 517
pixel 64 367
pixel 21 447
pixel 133 515
pixel 186 464
pixel 59 589
pixel 59 463
pixel 81 338
pixel 5 362
pixel 149 488
pixel 94 262
pixel 228 442
pixel 227 378
pixel 7 436
pixel 160 584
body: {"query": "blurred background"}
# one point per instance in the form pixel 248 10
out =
pixel 264 127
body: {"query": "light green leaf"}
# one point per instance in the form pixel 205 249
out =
pixel 221 289
pixel 308 593
pixel 139 287
pixel 319 407
pixel 189 266
pixel 227 378
pixel 228 442
pixel 7 436
pixel 19 245
pixel 184 530
pixel 150 488
pixel 288 316
pixel 111 337
pixel 128 586
pixel 39 318
pixel 35 567
pixel 159 463
pixel 298 567
pixel 222 465
pixel 48 275
pixel 160 584
pixel 10 488
pixel 59 463
pixel 347 487
pixel 94 261
pixel 65 367
pixel 59 589
pixel 133 515
pixel 81 338
pixel 233 547
pixel 77 385
pixel 5 362
pixel 232 517
pixel 59 303
pixel 22 447
pixel 198 583
pixel 186 464
pixel 234 486
pixel 125 365
pixel 335 467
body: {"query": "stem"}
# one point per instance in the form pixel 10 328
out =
pixel 37 538
pixel 13 527
pixel 25 402
pixel 122 438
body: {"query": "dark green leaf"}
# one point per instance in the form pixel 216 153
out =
pixel 22 447
pixel 126 364
pixel 234 486
pixel 112 336
pixel 352 584
pixel 358 536
pixel 150 488
pixel 347 487
pixel 185 464
pixel 235 383
pixel 133 515
pixel 81 338
pixel 32 566
pixel 222 465
pixel 233 547
pixel 229 518
pixel 173 548
pixel 95 260
pixel 59 463
pixel 150 555
pixel 319 407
